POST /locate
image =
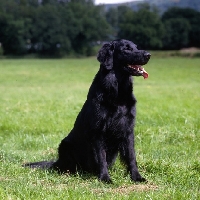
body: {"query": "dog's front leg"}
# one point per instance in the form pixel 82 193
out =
pixel 127 154
pixel 100 155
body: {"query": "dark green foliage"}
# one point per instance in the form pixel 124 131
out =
pixel 51 27
pixel 186 22
pixel 144 27
pixel 49 32
pixel 176 33
pixel 62 27
pixel 175 29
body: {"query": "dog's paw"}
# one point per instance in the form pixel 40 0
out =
pixel 105 178
pixel 138 178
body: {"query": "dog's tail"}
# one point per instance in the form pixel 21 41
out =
pixel 40 165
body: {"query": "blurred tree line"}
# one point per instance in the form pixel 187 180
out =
pixel 51 27
pixel 60 27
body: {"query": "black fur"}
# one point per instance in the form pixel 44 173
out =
pixel 104 127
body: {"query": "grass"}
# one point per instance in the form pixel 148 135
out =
pixel 40 100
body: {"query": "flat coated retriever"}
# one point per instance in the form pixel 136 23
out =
pixel 105 125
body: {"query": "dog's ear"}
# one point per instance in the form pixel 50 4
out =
pixel 105 55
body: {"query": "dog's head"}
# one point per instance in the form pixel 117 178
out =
pixel 124 54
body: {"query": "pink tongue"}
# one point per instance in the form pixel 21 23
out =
pixel 145 74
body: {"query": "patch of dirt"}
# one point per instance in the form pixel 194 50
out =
pixel 5 179
pixel 190 50
pixel 127 189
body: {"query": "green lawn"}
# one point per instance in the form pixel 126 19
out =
pixel 40 99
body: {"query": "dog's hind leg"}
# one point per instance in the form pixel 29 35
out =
pixel 66 161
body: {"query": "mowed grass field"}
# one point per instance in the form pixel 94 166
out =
pixel 40 99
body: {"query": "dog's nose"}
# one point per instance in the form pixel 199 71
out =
pixel 147 55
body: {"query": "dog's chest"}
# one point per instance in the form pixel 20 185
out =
pixel 121 120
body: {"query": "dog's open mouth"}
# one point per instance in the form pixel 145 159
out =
pixel 139 70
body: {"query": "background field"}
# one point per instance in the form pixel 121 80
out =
pixel 40 99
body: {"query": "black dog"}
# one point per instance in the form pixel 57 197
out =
pixel 105 124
